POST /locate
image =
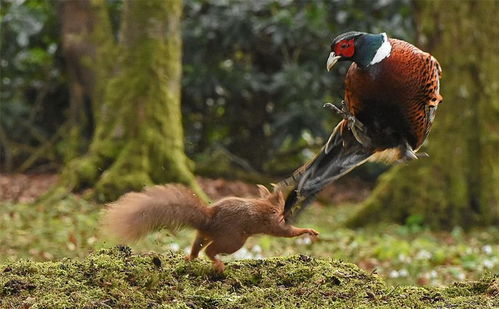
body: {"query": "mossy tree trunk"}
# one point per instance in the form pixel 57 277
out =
pixel 138 137
pixel 87 44
pixel 459 183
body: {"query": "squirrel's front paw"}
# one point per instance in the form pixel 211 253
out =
pixel 313 233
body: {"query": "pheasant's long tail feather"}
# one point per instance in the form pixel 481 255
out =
pixel 340 155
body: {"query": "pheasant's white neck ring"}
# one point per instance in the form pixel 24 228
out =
pixel 383 51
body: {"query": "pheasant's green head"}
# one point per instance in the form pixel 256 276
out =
pixel 365 49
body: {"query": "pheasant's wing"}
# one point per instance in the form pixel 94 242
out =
pixel 425 105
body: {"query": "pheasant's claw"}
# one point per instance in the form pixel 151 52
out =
pixel 361 137
pixel 344 114
pixel 422 155
pixel 358 129
pixel 408 154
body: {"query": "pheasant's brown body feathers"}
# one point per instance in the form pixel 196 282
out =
pixel 396 98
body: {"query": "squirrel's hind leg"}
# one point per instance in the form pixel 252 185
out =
pixel 226 245
pixel 199 243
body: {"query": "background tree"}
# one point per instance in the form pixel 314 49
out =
pixel 138 136
pixel 89 49
pixel 459 183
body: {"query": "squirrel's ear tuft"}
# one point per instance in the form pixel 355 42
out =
pixel 277 199
pixel 263 191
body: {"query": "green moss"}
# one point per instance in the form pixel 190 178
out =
pixel 117 278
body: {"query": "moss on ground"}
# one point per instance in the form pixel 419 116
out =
pixel 116 278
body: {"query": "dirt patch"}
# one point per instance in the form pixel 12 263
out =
pixel 25 188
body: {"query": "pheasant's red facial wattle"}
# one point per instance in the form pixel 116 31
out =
pixel 345 48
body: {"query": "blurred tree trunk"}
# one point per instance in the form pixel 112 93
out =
pixel 459 183
pixel 87 44
pixel 138 137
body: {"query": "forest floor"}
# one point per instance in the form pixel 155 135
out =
pixel 401 255
pixel 119 278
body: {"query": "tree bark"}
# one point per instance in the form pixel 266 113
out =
pixel 88 47
pixel 459 183
pixel 138 139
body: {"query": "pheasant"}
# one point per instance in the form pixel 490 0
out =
pixel 392 90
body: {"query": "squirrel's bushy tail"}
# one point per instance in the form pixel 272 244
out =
pixel 136 214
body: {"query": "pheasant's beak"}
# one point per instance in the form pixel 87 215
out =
pixel 331 61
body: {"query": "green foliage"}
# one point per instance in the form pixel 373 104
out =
pixel 33 90
pixel 118 278
pixel 255 78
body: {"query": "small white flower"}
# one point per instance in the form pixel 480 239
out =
pixel 174 246
pixel 256 249
pixel 394 274
pixel 460 276
pixel 403 272
pixel 487 249
pixel 243 253
pixel 488 264
pixel 404 258
pixel 303 241
pixel 307 241
pixel 433 274
pixel 424 255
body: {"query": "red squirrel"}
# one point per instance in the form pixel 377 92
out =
pixel 221 228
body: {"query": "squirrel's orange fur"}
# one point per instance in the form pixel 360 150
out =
pixel 221 228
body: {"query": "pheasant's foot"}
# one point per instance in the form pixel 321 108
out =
pixel 361 137
pixel 355 125
pixel 408 154
pixel 422 155
pixel 342 112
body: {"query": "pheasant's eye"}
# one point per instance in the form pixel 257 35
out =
pixel 345 48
